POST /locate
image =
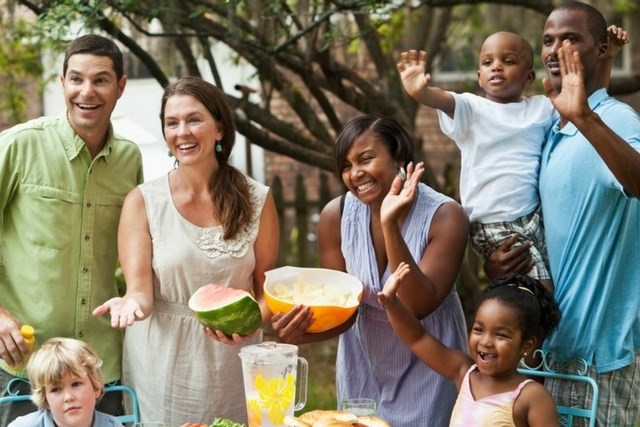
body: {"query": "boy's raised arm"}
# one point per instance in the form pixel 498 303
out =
pixel 416 82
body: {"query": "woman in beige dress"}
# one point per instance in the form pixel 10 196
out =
pixel 204 222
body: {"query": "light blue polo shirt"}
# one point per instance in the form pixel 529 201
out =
pixel 592 231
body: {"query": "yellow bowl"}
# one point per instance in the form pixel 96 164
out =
pixel 326 316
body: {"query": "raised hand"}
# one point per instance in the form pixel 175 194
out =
pixel 617 38
pixel 571 102
pixel 124 311
pixel 402 194
pixel 392 284
pixel 412 68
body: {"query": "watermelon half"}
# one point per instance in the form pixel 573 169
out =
pixel 226 309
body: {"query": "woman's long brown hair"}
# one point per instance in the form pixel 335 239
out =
pixel 228 186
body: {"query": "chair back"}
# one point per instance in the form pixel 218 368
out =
pixel 566 414
pixel 13 391
pixel 133 415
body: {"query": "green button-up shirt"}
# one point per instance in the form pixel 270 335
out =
pixel 59 213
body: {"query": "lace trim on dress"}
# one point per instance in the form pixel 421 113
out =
pixel 211 240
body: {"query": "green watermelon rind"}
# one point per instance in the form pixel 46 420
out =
pixel 241 316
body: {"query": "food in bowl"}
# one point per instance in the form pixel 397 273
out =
pixel 332 295
pixel 305 293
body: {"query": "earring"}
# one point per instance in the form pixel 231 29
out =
pixel 218 148
pixel 402 173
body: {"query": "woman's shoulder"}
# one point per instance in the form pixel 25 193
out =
pixel 257 192
pixel 254 183
pixel 437 200
pixel 332 211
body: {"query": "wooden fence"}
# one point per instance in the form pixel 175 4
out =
pixel 298 218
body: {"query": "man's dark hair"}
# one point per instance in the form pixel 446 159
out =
pixel 596 24
pixel 93 44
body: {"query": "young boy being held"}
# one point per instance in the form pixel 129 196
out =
pixel 66 382
pixel 500 139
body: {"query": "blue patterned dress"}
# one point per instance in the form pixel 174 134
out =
pixel 372 361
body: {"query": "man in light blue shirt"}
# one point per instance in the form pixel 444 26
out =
pixel 590 190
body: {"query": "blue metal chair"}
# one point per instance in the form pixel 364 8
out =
pixel 566 414
pixel 13 395
pixel 134 415
pixel 13 391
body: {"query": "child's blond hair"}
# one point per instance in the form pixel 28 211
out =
pixel 58 358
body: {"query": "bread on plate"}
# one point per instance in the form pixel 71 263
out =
pixel 333 418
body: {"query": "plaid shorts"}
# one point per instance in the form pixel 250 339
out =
pixel 485 239
pixel 619 403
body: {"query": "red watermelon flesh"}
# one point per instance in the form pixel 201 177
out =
pixel 226 309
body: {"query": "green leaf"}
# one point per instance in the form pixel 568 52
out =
pixel 223 422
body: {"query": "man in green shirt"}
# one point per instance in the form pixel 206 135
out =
pixel 62 183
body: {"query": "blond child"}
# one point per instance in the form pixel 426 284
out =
pixel 66 382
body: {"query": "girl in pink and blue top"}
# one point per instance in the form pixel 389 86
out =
pixel 510 314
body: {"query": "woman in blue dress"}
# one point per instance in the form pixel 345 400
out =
pixel 386 218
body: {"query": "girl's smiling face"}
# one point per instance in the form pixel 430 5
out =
pixel 73 401
pixel 368 169
pixel 496 341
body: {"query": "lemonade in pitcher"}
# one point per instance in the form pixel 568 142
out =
pixel 272 374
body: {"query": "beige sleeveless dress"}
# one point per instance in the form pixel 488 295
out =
pixel 180 374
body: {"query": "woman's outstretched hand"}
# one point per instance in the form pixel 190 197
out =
pixel 124 311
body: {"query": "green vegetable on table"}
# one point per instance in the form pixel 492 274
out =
pixel 223 422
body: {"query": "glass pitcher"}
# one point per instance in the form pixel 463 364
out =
pixel 273 376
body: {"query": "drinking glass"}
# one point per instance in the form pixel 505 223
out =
pixel 359 406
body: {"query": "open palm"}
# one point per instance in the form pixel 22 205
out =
pixel 124 311
pixel 571 102
pixel 402 194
